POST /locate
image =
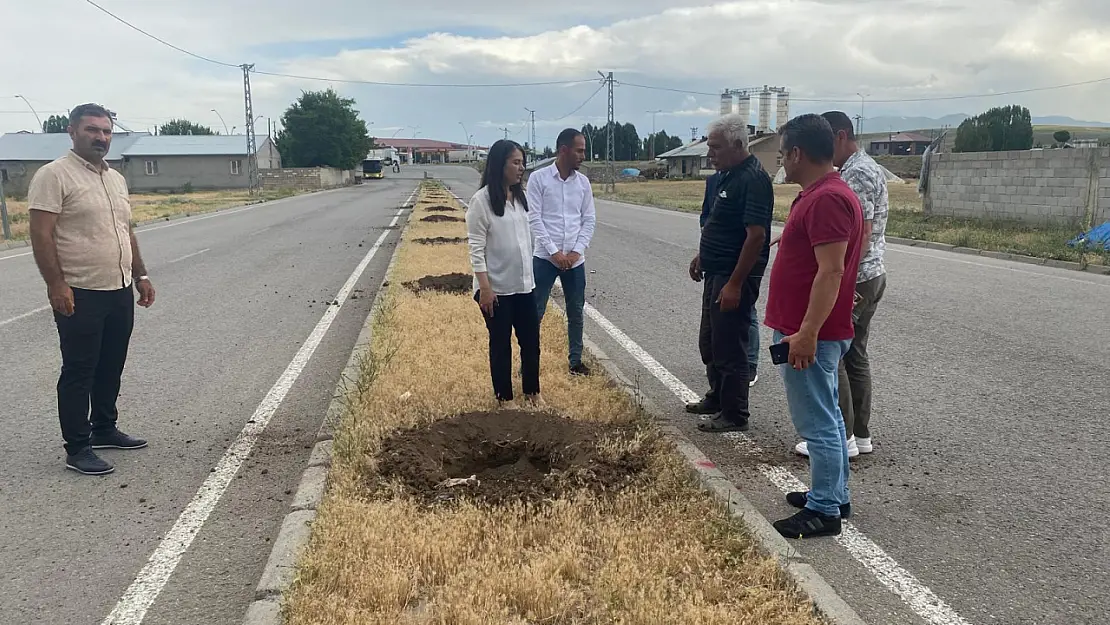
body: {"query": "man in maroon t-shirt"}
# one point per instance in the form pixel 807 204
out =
pixel 809 307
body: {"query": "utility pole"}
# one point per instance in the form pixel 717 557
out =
pixel 252 149
pixel 533 143
pixel 4 213
pixel 33 111
pixel 221 119
pixel 506 131
pixel 612 186
pixel 862 105
pixel 859 124
pixel 651 143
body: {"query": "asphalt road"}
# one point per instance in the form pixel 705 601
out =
pixel 989 483
pixel 239 292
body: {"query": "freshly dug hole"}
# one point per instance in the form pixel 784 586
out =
pixel 436 218
pixel 515 456
pixel 439 240
pixel 447 283
pixel 441 209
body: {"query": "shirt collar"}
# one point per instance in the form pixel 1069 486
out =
pixel 87 165
pixel 737 168
pixel 820 183
pixel 853 160
pixel 555 173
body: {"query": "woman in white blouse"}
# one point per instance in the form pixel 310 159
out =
pixel 501 257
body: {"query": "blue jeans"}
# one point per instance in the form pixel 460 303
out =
pixel 814 408
pixel 753 341
pixel 573 282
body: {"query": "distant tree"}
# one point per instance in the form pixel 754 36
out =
pixel 1061 136
pixel 626 142
pixel 663 143
pixel 1004 128
pixel 55 124
pixel 548 152
pixel 183 127
pixel 323 129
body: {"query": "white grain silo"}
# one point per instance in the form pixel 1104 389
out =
pixel 764 122
pixel 726 103
pixel 782 115
pixel 744 106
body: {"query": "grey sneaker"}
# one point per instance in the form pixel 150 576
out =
pixel 116 440
pixel 86 462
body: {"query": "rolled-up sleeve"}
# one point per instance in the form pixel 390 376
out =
pixel 477 227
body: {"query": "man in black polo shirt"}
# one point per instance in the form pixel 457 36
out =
pixel 732 257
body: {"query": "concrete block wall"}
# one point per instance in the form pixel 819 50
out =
pixel 304 178
pixel 1040 186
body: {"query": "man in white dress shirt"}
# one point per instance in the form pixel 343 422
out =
pixel 562 215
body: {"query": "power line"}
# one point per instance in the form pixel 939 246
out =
pixel 891 100
pixel 580 106
pixel 161 41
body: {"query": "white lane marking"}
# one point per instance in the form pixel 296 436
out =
pixel 187 256
pixel 889 573
pixel 945 256
pixel 182 222
pixel 137 599
pixel 24 315
pixel 3 258
pixel 259 231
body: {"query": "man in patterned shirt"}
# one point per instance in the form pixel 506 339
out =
pixel 868 180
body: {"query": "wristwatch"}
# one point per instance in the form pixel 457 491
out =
pixel 142 278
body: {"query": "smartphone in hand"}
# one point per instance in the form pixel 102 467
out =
pixel 780 353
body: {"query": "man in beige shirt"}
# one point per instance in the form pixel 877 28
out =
pixel 87 253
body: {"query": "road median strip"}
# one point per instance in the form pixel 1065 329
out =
pixel 439 508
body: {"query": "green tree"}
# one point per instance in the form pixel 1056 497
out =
pixel 548 152
pixel 663 143
pixel 1061 136
pixel 55 123
pixel 1004 128
pixel 322 129
pixel 183 127
pixel 626 142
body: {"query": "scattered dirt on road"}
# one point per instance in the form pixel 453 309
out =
pixel 512 455
pixel 442 209
pixel 439 218
pixel 439 240
pixel 447 283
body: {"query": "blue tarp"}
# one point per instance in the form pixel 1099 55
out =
pixel 630 172
pixel 1099 236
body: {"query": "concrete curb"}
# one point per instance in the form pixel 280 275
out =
pixel 296 528
pixel 1100 270
pixel 14 245
pixel 825 600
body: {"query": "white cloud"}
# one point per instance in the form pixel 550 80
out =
pixel 820 49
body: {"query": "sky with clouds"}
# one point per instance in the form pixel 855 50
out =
pixel 906 52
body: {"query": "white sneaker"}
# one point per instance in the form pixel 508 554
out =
pixel 864 445
pixel 853 448
pixel 753 381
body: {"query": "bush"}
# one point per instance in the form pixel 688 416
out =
pixel 187 187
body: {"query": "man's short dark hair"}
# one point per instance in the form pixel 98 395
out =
pixel 840 122
pixel 567 137
pixel 812 134
pixel 87 110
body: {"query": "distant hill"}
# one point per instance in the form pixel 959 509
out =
pixel 890 123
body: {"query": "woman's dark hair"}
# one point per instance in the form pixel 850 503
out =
pixel 494 176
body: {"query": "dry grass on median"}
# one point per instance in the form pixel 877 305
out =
pixel 655 550
pixel 153 206
pixel 906 220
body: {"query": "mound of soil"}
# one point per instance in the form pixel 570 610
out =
pixel 439 240
pixel 512 456
pixel 442 209
pixel 435 218
pixel 447 283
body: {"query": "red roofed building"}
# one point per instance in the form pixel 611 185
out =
pixel 431 151
pixel 901 144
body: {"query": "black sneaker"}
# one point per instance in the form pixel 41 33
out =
pixel 808 524
pixel 798 500
pixel 88 463
pixel 580 369
pixel 116 440
pixel 703 407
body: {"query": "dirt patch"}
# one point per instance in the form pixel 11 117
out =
pixel 448 283
pixel 438 218
pixel 439 240
pixel 510 456
pixel 442 209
